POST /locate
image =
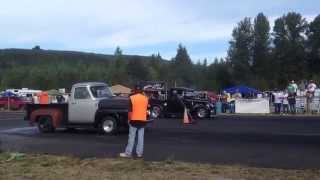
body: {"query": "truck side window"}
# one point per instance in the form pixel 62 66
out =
pixel 81 93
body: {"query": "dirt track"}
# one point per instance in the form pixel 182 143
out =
pixel 273 141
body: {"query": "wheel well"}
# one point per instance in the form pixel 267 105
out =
pixel 39 116
pixel 197 106
pixel 157 105
pixel 100 116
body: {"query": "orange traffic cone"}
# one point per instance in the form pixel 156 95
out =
pixel 186 119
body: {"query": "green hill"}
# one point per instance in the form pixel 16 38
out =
pixel 45 69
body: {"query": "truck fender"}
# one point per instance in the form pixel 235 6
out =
pixel 198 105
pixel 55 114
pixel 100 114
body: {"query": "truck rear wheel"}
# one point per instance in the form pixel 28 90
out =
pixel 45 124
pixel 108 125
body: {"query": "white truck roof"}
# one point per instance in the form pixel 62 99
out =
pixel 90 84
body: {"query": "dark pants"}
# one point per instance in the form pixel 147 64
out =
pixel 224 107
pixel 232 107
pixel 292 108
pixel 285 108
pixel 277 108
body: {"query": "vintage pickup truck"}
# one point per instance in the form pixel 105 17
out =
pixel 173 102
pixel 90 104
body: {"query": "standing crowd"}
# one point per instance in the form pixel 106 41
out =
pixel 285 101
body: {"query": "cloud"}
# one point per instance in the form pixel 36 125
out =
pixel 103 24
pixel 132 24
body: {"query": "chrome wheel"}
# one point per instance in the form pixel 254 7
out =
pixel 201 113
pixel 108 126
pixel 156 111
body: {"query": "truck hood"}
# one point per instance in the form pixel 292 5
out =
pixel 115 103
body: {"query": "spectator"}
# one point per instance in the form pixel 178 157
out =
pixel 285 103
pixel 310 93
pixel 302 86
pixel 292 103
pixel 311 88
pixel 292 88
pixel 225 101
pixel 277 101
pixel 60 99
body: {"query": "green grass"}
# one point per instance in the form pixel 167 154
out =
pixel 17 166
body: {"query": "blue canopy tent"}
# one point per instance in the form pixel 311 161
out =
pixel 8 94
pixel 244 90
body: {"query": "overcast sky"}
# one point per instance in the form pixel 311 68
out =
pixel 139 27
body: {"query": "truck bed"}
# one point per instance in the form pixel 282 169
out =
pixel 63 107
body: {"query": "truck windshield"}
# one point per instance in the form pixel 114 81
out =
pixel 101 91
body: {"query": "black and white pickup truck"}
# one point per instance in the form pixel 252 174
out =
pixel 91 104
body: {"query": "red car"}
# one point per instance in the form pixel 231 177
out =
pixel 16 103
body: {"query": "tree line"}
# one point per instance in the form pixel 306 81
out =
pixel 258 56
pixel 267 59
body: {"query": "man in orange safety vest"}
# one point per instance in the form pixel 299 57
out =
pixel 137 122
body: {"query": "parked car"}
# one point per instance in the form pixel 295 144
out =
pixel 15 102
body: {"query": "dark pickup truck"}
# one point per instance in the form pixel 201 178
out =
pixel 173 102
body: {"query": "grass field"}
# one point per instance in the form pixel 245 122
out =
pixel 17 166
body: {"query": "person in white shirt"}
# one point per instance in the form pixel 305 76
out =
pixel 278 96
pixel 311 87
pixel 285 103
pixel 310 93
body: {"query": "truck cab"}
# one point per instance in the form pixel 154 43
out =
pixel 91 104
pixel 84 101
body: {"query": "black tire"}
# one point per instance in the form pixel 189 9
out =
pixel 109 125
pixel 45 124
pixel 201 112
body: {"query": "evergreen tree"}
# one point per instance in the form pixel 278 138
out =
pixel 262 66
pixel 261 45
pixel 119 68
pixel 138 71
pixel 182 67
pixel 289 49
pixel 313 45
pixel 239 53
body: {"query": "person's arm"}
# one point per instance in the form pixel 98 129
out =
pixel 130 106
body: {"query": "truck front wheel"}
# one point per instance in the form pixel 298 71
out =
pixel 45 124
pixel 201 112
pixel 156 112
pixel 108 125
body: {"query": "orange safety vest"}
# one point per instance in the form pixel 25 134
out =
pixel 139 104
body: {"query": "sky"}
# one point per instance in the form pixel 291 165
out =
pixel 140 27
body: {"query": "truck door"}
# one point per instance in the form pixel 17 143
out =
pixel 82 107
pixel 175 105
